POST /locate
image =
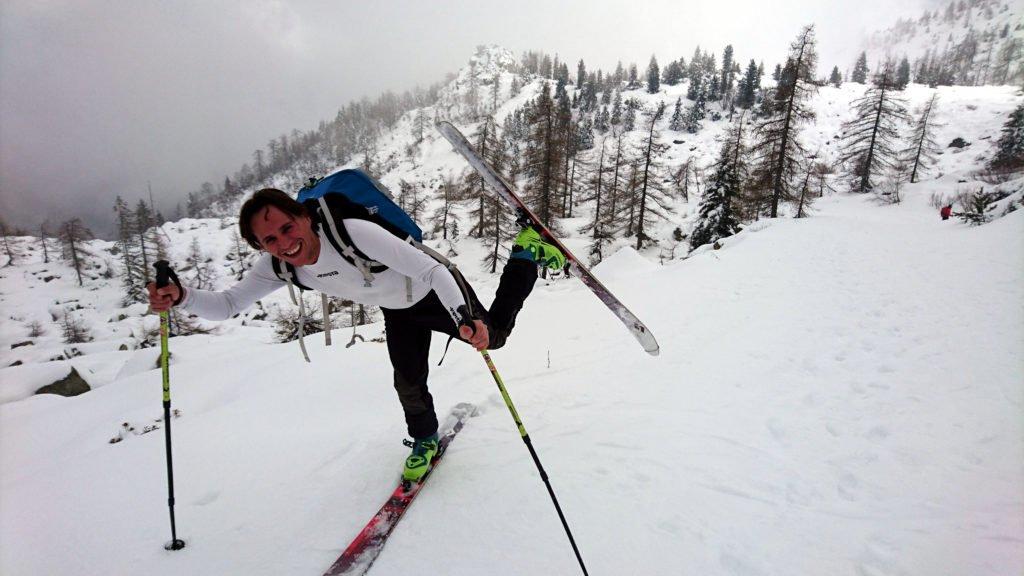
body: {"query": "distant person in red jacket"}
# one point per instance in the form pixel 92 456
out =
pixel 946 211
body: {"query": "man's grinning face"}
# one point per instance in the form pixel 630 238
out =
pixel 286 237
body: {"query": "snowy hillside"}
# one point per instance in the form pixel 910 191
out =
pixel 839 394
pixel 835 395
pixel 984 31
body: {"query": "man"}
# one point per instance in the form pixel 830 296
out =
pixel 417 294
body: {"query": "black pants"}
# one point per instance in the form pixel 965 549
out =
pixel 408 335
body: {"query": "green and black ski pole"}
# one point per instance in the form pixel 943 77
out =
pixel 533 453
pixel 163 274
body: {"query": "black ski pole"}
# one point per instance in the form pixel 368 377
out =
pixel 533 453
pixel 163 274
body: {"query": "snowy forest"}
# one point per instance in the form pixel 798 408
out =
pixel 594 142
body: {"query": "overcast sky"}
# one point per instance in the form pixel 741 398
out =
pixel 99 97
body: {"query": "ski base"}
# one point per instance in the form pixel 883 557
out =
pixel 505 191
pixel 364 549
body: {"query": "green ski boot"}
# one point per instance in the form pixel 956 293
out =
pixel 529 245
pixel 418 463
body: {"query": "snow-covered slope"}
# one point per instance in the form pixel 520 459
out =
pixel 835 395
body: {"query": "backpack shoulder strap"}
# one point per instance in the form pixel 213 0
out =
pixel 335 231
pixel 286 272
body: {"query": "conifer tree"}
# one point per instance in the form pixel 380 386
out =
pixel 694 72
pixel 748 86
pixel 621 163
pixel 445 219
pixel 776 144
pixel 419 125
pixel 1010 147
pixel 653 199
pixel 495 91
pixel 805 197
pixel 616 117
pixel 923 147
pixel 602 120
pixel 474 187
pixel 696 76
pixel 8 248
pixel 202 272
pixel 44 233
pixel 629 117
pixel 902 74
pixel 73 329
pixel 727 84
pixel 716 213
pixel 673 73
pixel 860 69
pixel 569 132
pixel 73 232
pixel 144 238
pixel 543 156
pixel 597 192
pixel 239 253
pixel 131 279
pixel 712 80
pixel 683 175
pixel 835 79
pixel 411 199
pixel 696 114
pixel 502 229
pixel 869 139
pixel 677 121
pixel 653 76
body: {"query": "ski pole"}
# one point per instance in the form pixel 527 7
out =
pixel 163 273
pixel 533 453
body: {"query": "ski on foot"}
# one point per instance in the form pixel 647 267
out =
pixel 363 551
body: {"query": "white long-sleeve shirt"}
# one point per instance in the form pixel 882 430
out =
pixel 332 275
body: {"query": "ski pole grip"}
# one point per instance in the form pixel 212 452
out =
pixel 163 273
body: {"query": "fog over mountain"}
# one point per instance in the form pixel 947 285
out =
pixel 98 99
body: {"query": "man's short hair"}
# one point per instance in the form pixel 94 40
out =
pixel 259 201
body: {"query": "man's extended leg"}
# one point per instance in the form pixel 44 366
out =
pixel 517 279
